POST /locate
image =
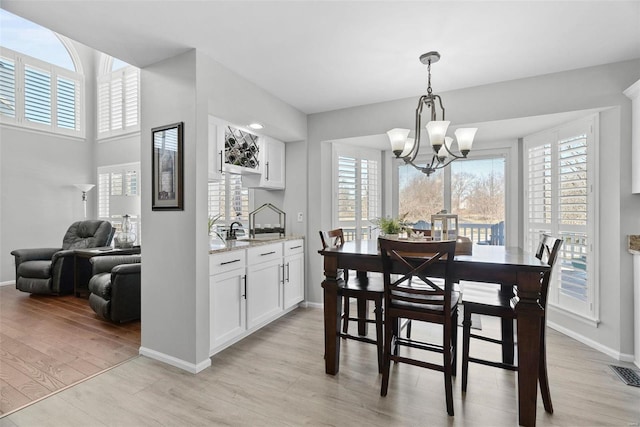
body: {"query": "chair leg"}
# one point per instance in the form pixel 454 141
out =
pixel 448 387
pixel 388 336
pixel 466 337
pixel 542 372
pixel 345 316
pixel 396 332
pixel 454 342
pixel 409 330
pixel 379 334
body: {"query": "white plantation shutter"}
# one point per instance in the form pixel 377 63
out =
pixel 119 102
pixel 357 183
pixel 39 95
pixel 118 180
pixel 227 198
pixel 7 87
pixel 560 200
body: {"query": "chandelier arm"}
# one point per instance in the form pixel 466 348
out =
pixel 444 165
pixel 455 156
pixel 428 170
pixel 441 106
pixel 416 145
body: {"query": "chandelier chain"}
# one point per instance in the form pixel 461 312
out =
pixel 429 90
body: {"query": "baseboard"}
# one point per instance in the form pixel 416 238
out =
pixel 7 283
pixel 174 361
pixel 308 304
pixel 623 357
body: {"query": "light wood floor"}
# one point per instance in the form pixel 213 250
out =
pixel 48 343
pixel 276 377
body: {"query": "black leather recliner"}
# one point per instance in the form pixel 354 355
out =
pixel 51 270
pixel 115 287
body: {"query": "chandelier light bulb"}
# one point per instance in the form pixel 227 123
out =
pixel 437 129
pixel 465 139
pixel 398 139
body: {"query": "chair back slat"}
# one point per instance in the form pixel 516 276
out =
pixel 410 260
pixel 333 239
pixel 548 250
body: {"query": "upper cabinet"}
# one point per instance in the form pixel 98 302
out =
pixel 272 165
pixel 633 92
pixel 260 159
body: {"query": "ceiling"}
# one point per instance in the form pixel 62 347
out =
pixel 326 55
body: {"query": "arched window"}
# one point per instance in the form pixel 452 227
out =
pixel 118 98
pixel 41 78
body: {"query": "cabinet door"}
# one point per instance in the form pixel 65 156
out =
pixel 274 172
pixel 264 298
pixel 293 280
pixel 228 305
pixel 216 149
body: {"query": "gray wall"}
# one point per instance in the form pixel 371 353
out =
pixel 596 87
pixel 175 272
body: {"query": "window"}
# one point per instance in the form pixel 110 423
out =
pixel 357 200
pixel 118 98
pixel 229 200
pixel 43 91
pixel 560 200
pixel 118 180
pixel 472 188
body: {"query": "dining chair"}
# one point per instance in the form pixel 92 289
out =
pixel 497 305
pixel 411 292
pixel 363 289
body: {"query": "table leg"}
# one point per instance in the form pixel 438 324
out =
pixel 528 312
pixel 507 330
pixel 332 314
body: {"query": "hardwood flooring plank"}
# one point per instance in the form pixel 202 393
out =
pixel 48 343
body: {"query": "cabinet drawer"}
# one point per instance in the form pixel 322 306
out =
pixel 292 247
pixel 264 253
pixel 227 261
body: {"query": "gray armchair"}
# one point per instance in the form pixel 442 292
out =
pixel 51 270
pixel 115 287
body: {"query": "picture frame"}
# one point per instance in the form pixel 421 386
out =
pixel 167 167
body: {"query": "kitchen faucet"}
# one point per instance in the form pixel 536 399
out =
pixel 231 234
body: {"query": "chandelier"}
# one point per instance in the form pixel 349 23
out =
pixel 407 148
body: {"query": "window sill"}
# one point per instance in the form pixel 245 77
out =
pixel 119 136
pixel 587 320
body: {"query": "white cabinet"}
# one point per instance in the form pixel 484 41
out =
pixel 216 148
pixel 227 297
pixel 251 287
pixel 293 272
pixel 272 166
pixel 633 92
pixel 264 283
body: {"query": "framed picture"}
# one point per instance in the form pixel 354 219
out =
pixel 167 166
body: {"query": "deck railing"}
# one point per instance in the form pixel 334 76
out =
pixel 482 234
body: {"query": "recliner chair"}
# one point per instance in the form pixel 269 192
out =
pixel 115 287
pixel 51 270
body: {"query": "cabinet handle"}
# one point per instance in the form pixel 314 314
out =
pixel 267 170
pixel 245 287
pixel 221 161
pixel 287 272
pixel 283 274
pixel 229 262
pixel 268 253
pixel 295 247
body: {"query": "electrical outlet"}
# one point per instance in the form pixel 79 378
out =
pixel 299 216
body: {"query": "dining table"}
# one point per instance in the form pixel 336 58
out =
pixel 507 266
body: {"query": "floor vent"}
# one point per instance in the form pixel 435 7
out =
pixel 629 376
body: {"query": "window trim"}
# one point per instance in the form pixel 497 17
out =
pixel 108 77
pixel 21 61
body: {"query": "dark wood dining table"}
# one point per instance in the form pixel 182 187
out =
pixel 507 266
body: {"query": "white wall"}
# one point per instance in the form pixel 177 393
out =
pixel 595 87
pixel 175 272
